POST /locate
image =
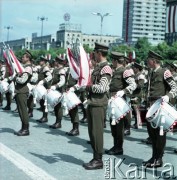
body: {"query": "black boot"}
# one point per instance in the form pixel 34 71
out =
pixel 7 108
pixel 56 125
pixel 44 118
pixel 149 162
pixel 24 131
pixel 95 163
pixel 74 131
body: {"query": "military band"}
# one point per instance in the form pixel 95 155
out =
pixel 131 82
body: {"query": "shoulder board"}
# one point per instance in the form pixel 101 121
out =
pixel 106 70
pixel 127 73
pixel 167 74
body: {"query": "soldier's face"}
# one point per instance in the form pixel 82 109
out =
pixel 24 59
pixel 151 63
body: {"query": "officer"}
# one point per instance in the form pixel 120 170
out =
pixel 137 95
pixel 161 85
pixel 122 84
pixel 44 78
pixel 2 76
pixel 58 82
pixel 21 90
pixel 97 100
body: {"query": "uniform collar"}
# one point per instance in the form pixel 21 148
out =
pixel 156 69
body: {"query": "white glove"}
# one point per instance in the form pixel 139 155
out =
pixel 5 80
pixel 53 88
pixel 41 82
pixel 120 93
pixel 165 98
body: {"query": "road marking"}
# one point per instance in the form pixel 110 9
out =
pixel 33 171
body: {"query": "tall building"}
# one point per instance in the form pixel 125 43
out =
pixel 171 22
pixel 144 18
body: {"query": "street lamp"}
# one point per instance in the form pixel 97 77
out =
pixel 102 17
pixel 8 28
pixel 42 18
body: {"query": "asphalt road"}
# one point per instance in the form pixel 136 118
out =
pixel 50 154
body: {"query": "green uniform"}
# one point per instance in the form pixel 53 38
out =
pixel 22 91
pixel 160 83
pixel 97 100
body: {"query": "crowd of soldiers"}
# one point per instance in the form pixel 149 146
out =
pixel 138 85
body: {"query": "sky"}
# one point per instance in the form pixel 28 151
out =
pixel 22 16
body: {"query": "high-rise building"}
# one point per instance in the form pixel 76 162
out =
pixel 171 22
pixel 144 18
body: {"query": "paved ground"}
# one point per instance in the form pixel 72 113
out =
pixel 50 154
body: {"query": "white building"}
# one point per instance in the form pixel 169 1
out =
pixel 144 18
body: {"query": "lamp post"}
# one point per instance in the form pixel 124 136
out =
pixel 8 28
pixel 102 17
pixel 42 18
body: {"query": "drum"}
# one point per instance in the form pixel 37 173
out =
pixel 39 92
pixel 162 114
pixel 70 99
pixel 53 97
pixel 117 109
pixel 4 86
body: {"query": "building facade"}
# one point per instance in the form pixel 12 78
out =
pixel 171 22
pixel 144 18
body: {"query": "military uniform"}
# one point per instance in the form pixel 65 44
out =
pixel 137 96
pixel 2 76
pixel 97 100
pixel 58 82
pixel 33 81
pixel 161 85
pixel 21 90
pixel 73 113
pixel 122 83
pixel 44 78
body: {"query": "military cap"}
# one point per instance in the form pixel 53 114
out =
pixel 101 47
pixel 43 58
pixel 136 65
pixel 154 55
pixel 29 54
pixel 117 55
pixel 60 60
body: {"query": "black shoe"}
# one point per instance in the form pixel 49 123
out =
pixel 94 164
pixel 175 151
pixel 157 163
pixel 55 125
pixel 39 109
pixel 146 141
pixel 83 120
pixel 104 124
pixel 1 104
pixel 73 132
pixel 7 108
pixel 30 115
pixel 24 132
pixel 148 163
pixel 127 132
pixel 114 151
pixel 42 120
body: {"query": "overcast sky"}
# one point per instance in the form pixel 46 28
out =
pixel 22 16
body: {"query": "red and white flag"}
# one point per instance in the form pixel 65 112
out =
pixel 171 19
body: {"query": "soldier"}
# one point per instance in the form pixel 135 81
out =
pixel 44 78
pixel 2 76
pixel 122 84
pixel 71 85
pixel 58 82
pixel 21 90
pixel 160 81
pixel 33 81
pixel 138 93
pixel 97 100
